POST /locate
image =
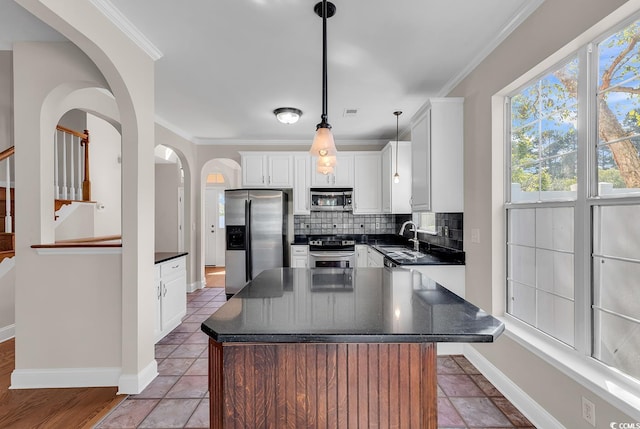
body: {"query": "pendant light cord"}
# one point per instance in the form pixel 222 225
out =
pixel 397 113
pixel 324 64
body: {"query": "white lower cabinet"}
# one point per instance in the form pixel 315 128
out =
pixel 299 256
pixel 170 295
pixel 451 277
pixel 374 258
pixel 361 255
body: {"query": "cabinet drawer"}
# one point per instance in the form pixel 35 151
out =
pixel 299 250
pixel 172 267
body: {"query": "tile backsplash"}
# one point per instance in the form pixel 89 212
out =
pixel 344 223
pixel 452 222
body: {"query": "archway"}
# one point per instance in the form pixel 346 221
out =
pixel 216 176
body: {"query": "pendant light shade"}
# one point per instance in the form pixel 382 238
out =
pixel 396 177
pixel 323 145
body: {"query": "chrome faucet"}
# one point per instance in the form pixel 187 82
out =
pixel 416 242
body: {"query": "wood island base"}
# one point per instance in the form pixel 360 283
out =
pixel 329 385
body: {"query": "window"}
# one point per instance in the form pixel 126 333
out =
pixel 564 246
pixel 221 221
pixel 426 222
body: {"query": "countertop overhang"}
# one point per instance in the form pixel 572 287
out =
pixel 167 256
pixel 362 305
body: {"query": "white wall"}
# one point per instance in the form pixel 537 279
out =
pixel 106 175
pixel 186 151
pixel 68 307
pixel 6 99
pixel 7 299
pixel 7 289
pixel 129 71
pixel 548 29
pixel 167 183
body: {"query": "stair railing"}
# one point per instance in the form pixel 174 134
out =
pixel 6 155
pixel 71 166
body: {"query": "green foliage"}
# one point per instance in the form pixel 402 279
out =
pixel 611 175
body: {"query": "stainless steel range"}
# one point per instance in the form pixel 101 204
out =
pixel 332 252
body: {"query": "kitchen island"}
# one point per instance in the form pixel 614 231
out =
pixel 326 347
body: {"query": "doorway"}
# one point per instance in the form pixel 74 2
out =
pixel 214 227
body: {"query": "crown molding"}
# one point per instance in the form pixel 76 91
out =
pixel 122 22
pixel 176 130
pixel 518 18
pixel 201 141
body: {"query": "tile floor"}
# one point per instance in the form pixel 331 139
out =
pixel 178 397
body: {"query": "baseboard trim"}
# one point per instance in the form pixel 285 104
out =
pixel 518 397
pixel 195 286
pixel 132 384
pixel 64 377
pixel 7 332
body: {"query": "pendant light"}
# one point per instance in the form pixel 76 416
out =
pixel 396 177
pixel 323 145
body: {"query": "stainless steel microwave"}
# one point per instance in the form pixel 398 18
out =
pixel 331 199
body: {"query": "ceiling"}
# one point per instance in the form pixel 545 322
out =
pixel 226 65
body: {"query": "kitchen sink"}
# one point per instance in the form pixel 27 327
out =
pixel 401 252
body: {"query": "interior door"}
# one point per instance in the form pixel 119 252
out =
pixel 214 227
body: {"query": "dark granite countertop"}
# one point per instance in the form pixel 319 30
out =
pixel 404 255
pixel 349 305
pixel 433 255
pixel 167 256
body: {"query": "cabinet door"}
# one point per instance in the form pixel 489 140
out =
pixel 401 192
pixel 343 174
pixel 174 300
pixel 299 262
pixel 361 255
pixel 157 297
pixel 420 163
pixel 374 259
pixel 253 170
pixel 387 178
pixel 367 196
pixel 301 182
pixel 446 154
pixel 280 173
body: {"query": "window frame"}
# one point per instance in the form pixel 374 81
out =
pixel 617 388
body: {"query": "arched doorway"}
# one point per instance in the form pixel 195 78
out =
pixel 217 176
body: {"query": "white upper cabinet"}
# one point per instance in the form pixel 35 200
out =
pixel 301 183
pixel 367 182
pixel 267 169
pixel 342 177
pixel 437 156
pixel 396 197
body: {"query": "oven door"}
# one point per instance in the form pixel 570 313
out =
pixel 332 259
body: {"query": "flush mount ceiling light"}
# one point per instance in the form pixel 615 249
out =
pixel 287 115
pixel 396 177
pixel 323 145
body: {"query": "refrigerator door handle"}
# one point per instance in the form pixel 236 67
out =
pixel 247 237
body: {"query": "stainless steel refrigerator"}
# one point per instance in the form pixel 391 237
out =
pixel 256 230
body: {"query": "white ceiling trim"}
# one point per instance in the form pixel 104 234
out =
pixel 271 143
pixel 517 19
pixel 119 20
pixel 178 131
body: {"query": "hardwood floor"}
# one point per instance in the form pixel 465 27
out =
pixel 50 408
pixel 214 276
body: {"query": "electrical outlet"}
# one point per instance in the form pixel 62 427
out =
pixel 377 226
pixel 475 235
pixel 589 411
pixel 446 231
